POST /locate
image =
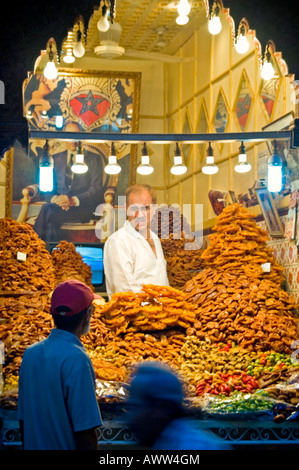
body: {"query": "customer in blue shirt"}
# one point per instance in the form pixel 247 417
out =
pixel 57 405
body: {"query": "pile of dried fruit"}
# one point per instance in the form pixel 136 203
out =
pixel 114 361
pixel 239 246
pixel 220 368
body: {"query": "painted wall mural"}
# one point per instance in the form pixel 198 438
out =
pixel 82 103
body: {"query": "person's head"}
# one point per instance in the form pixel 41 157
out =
pixel 71 306
pixel 140 199
pixel 155 399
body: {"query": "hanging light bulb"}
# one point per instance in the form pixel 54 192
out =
pixel 274 183
pixel 50 71
pixel 46 168
pixel 79 49
pixel 210 168
pixel 184 8
pixel 59 121
pixel 145 168
pixel 181 20
pixel 103 23
pixel 267 72
pixel 243 166
pixel 69 58
pixel 242 44
pixel 214 24
pixel 178 167
pixel 113 168
pixel 79 166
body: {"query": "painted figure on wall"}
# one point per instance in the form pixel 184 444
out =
pixel 85 103
pixel 75 196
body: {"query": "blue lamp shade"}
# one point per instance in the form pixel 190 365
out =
pixel 46 170
pixel 274 172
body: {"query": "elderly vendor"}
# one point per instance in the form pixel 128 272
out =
pixel 133 255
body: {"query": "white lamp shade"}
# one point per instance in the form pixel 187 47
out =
pixel 274 178
pixel 59 121
pixel 178 168
pixel 79 166
pixel 113 168
pixel 46 178
pixel 68 58
pixel 210 168
pixel 242 166
pixel 145 168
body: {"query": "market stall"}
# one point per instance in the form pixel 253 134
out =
pixel 230 331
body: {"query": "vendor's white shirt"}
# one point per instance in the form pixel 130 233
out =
pixel 129 261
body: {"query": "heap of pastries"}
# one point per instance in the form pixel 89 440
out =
pixel 168 220
pixel 27 322
pixel 239 246
pixel 68 264
pixel 181 250
pixel 155 308
pixel 182 263
pixel 25 263
pixel 255 313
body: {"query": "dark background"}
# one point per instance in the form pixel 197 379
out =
pixel 27 26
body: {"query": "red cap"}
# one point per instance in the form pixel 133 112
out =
pixel 73 294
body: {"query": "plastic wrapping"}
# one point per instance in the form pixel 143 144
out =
pixel 108 390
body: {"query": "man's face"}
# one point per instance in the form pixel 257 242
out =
pixel 138 210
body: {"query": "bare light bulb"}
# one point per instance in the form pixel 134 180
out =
pixel 183 8
pixel 242 44
pixel 267 72
pixel 215 25
pixel 50 71
pixel 79 49
pixel 181 20
pixel 103 23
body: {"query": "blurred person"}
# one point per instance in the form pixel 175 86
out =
pixel 57 405
pixel 133 255
pixel 157 414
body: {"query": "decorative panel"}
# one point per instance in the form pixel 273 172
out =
pixel 220 119
pixel 243 102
